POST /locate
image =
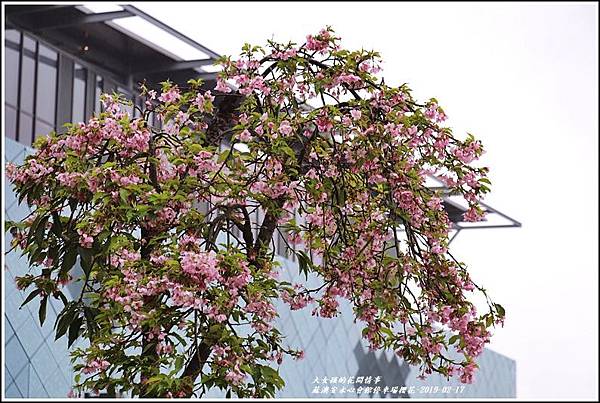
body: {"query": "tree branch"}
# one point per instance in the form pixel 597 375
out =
pixel 194 366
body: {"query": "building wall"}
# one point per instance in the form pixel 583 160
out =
pixel 46 88
pixel 35 365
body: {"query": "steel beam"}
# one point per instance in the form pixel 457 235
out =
pixel 184 65
pixel 18 10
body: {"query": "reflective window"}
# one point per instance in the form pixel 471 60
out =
pixel 27 75
pixel 10 122
pixel 99 90
pixel 46 90
pixel 79 84
pixel 29 43
pixel 11 63
pixel 124 91
pixel 25 127
pixel 31 82
pixel 42 128
pixel 127 94
pixel 27 90
pixel 139 102
pixel 12 35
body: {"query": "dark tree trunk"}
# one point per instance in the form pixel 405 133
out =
pixel 194 366
pixel 148 345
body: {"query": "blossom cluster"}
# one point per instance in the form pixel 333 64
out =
pixel 174 224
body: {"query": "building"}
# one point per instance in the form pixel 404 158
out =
pixel 58 59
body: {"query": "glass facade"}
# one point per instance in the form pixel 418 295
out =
pixel 46 83
pixel 46 88
pixel 39 79
pixel 98 90
pixel 31 78
pixel 79 86
pixel 35 365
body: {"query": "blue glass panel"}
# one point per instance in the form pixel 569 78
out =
pixel 15 358
pixel 8 330
pixel 12 391
pixel 43 361
pixel 36 386
pixel 22 381
pixel 29 332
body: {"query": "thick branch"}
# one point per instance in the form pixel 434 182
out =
pixel 148 349
pixel 268 227
pixel 194 366
pixel 246 229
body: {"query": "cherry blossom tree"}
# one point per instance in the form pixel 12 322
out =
pixel 172 224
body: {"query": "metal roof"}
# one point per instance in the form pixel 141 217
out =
pixel 109 41
pixel 456 206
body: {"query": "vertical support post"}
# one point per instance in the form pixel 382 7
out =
pixel 64 95
pixel 90 97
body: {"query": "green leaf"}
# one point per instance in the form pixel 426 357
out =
pixel 124 193
pixel 31 296
pixel 288 151
pixel 56 225
pixel 87 260
pixel 40 230
pixel 272 376
pixel 68 260
pixel 64 320
pixel 500 309
pixel 178 363
pixel 147 348
pixel 180 339
pixel 268 373
pixel 90 320
pixel 74 328
pixel 38 222
pixel 63 298
pixel 8 225
pixel 42 311
pixel 304 263
pixel 453 339
pixel 387 331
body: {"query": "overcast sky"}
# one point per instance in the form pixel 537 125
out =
pixel 524 79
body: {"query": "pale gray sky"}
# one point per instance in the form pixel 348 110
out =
pixel 524 79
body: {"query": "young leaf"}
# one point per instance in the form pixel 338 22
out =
pixel 68 260
pixel 31 296
pixel 74 328
pixel 87 259
pixel 42 311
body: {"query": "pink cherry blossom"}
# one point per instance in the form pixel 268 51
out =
pixel 222 86
pixel 172 95
pixel 285 128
